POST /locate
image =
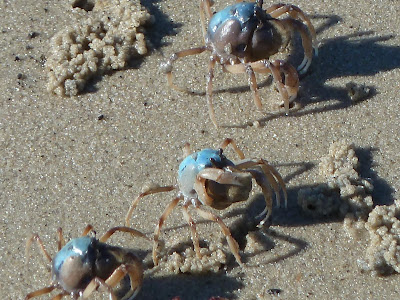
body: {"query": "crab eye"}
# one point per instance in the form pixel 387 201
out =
pixel 213 162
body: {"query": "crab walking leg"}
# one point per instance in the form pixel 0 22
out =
pixel 270 177
pixel 136 279
pixel 263 183
pixel 161 221
pixel 94 284
pixel 209 90
pixel 186 150
pixel 291 78
pixel 295 12
pixel 40 292
pixel 287 89
pixel 273 176
pixel 193 230
pixel 205 10
pixel 278 81
pixel 60 239
pixel 306 39
pixel 229 141
pixel 233 245
pixel 87 229
pixel 135 273
pixel 268 169
pixel 29 242
pixel 253 86
pixel 145 193
pixel 167 66
pixel 113 230
pixel 60 296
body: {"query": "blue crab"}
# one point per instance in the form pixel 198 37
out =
pixel 84 264
pixel 208 178
pixel 242 37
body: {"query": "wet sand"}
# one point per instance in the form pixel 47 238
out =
pixel 63 165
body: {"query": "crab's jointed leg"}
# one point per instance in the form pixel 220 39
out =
pixel 229 141
pixel 29 242
pixel 209 91
pixel 145 193
pixel 205 11
pixel 166 67
pixel 113 230
pixel 287 87
pixel 40 292
pixel 192 225
pixel 295 12
pixel 233 245
pixel 94 284
pixel 268 177
pixel 161 221
pixel 300 22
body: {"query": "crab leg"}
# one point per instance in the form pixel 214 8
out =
pixel 295 12
pixel 29 242
pixel 233 245
pixel 229 141
pixel 193 230
pixel 60 296
pixel 306 42
pixel 205 9
pixel 135 273
pixel 40 292
pixel 273 176
pixel 60 239
pixel 94 284
pixel 113 230
pixel 287 89
pixel 161 221
pixel 186 150
pixel 166 67
pixel 210 77
pixel 291 83
pixel 145 193
pixel 87 229
pixel 253 86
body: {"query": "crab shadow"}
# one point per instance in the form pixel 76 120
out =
pixel 359 54
pixel 294 215
pixel 189 286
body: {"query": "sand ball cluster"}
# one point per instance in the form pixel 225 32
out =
pixel 213 258
pixel 383 253
pixel 344 192
pixel 104 40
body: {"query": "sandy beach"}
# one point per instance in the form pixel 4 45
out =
pixel 69 161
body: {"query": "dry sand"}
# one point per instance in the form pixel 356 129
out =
pixel 62 166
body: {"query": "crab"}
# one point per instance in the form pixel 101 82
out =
pixel 208 178
pixel 85 263
pixel 242 37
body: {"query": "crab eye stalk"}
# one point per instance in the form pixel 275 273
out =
pixel 214 162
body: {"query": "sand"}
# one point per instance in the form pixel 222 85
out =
pixel 70 161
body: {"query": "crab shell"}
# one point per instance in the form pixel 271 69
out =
pixel 84 258
pixel 244 30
